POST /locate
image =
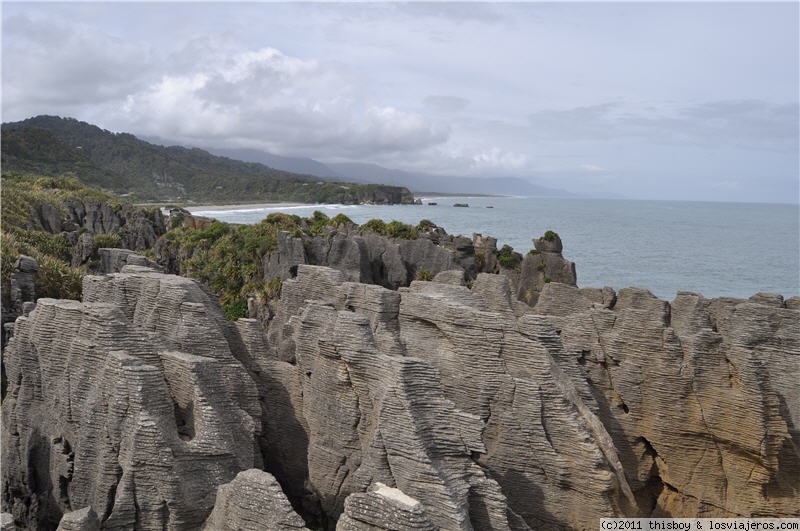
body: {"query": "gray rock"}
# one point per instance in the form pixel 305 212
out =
pixel 23 283
pixel 7 522
pixel 252 501
pixel 81 520
pixel 152 447
pixel 697 398
pixel 113 260
pixel 83 249
pixel 383 508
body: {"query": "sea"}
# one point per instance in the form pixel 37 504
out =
pixel 712 248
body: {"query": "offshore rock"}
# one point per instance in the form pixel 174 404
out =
pixel 252 501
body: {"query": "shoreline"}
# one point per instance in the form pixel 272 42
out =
pixel 247 206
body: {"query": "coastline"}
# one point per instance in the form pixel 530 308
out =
pixel 246 206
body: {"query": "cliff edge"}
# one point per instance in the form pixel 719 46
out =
pixel 436 405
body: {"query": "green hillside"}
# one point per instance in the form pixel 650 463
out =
pixel 124 164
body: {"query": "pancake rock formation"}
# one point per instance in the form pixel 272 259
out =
pixel 432 406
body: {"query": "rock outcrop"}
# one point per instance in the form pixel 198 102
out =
pixel 253 501
pixel 700 396
pixel 384 508
pixel 130 403
pixel 370 258
pixel 433 406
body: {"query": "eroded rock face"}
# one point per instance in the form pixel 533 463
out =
pixel 431 406
pixel 699 395
pixel 384 508
pixel 133 406
pixel 252 501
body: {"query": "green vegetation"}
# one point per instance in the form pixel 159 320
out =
pixel 550 235
pixel 424 274
pixel 546 280
pixel 25 198
pixel 480 260
pixel 534 251
pixel 394 229
pixel 426 225
pixel 506 256
pixel 120 162
pixel 540 267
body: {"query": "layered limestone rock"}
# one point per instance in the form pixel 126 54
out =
pixel 384 508
pixel 375 415
pixel 434 406
pixel 362 257
pixel 503 371
pixel 253 501
pixel 134 406
pixel 367 257
pixel 81 520
pixel 700 396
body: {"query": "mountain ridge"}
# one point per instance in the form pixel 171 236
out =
pixel 127 165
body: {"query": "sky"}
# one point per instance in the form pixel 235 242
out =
pixel 679 100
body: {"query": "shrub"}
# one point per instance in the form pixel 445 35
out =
pixel 58 280
pixel 550 235
pixel 374 225
pixel 426 225
pixel 546 280
pixel 424 274
pixel 401 231
pixel 107 240
pixel 282 221
pixel 540 267
pixel 534 251
pixel 236 309
pixel 506 256
pixel 317 222
pixel 213 232
pixel 340 220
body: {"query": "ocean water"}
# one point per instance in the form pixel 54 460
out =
pixel 716 249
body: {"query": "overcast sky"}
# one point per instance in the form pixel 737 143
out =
pixel 647 100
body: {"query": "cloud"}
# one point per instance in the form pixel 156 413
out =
pixel 49 66
pixel 497 158
pixel 744 124
pixel 447 104
pixel 266 99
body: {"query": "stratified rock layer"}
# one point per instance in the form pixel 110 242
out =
pixel 432 406
pixel 253 501
pixel 700 396
pixel 107 408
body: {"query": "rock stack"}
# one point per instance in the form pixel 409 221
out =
pixel 433 406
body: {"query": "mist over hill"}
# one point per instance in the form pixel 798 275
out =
pixel 415 181
pixel 125 164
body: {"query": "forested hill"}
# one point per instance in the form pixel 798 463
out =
pixel 124 164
